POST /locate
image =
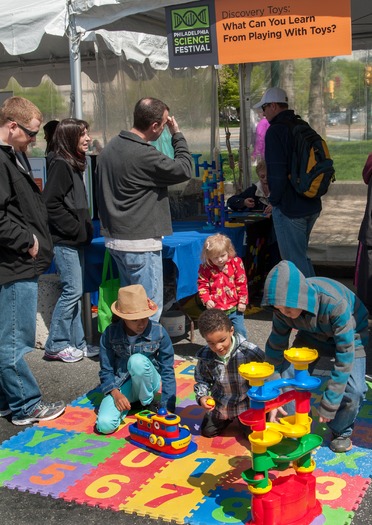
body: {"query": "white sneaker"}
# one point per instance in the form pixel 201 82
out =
pixel 90 351
pixel 67 355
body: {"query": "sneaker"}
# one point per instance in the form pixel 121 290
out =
pixel 42 412
pixel 5 412
pixel 67 355
pixel 90 351
pixel 340 444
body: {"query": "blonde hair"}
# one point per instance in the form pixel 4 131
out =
pixel 261 166
pixel 20 110
pixel 216 244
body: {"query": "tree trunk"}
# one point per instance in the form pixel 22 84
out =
pixel 316 96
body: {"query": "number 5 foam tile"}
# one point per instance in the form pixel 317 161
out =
pixel 358 461
pixel 48 477
pixel 88 449
pixel 222 505
pixel 74 418
pixel 112 482
pixel 179 487
pixel 38 440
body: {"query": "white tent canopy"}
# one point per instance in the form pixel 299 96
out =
pixel 34 34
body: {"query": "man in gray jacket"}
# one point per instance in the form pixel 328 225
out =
pixel 25 253
pixel 133 179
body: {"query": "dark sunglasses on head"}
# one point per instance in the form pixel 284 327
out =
pixel 28 132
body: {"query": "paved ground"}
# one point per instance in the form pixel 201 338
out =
pixel 341 216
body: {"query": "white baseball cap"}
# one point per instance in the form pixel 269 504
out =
pixel 273 94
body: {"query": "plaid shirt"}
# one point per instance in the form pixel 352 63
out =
pixel 222 380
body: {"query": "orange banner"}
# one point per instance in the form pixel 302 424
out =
pixel 256 31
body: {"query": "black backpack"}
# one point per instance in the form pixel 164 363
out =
pixel 311 167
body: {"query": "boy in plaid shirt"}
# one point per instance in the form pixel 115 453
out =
pixel 219 388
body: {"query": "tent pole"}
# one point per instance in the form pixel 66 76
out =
pixel 75 69
pixel 215 146
pixel 245 122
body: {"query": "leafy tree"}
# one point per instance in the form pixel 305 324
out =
pixel 45 96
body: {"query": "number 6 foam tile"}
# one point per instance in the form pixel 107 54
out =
pixel 48 477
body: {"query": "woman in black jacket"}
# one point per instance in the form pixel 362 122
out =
pixel 71 228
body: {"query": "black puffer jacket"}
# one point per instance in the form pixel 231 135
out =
pixel 22 215
pixel 66 200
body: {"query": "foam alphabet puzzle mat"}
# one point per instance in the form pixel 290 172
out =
pixel 66 458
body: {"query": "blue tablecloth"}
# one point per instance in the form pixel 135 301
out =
pixel 183 248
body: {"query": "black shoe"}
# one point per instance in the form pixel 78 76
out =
pixel 340 444
pixel 154 406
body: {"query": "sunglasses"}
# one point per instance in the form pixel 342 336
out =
pixel 28 132
pixel 264 106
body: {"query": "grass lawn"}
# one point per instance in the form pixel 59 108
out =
pixel 349 159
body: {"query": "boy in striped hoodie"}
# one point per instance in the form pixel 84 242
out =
pixel 330 318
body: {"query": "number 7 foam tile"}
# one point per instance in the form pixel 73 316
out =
pixel 171 495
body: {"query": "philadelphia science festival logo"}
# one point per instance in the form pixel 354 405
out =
pixel 191 31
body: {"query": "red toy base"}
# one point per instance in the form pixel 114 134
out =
pixel 291 501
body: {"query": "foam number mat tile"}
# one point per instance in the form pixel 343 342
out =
pixel 12 463
pixel 337 516
pixel 362 434
pixel 185 390
pixel 48 477
pixel 340 491
pixel 171 496
pixel 184 369
pixel 114 481
pixel 37 440
pixel 192 416
pixel 221 506
pixel 356 462
pixel 90 400
pixel 74 418
pixel 88 449
pixel 228 444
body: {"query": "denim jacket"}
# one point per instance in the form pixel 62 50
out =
pixel 154 343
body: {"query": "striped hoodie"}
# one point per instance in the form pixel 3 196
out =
pixel 333 319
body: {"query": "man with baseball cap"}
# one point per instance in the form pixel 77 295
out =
pixel 293 214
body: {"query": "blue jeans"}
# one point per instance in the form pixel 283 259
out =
pixel 293 239
pixel 144 268
pixel 66 327
pixel 355 392
pixel 144 382
pixel 18 306
pixel 237 319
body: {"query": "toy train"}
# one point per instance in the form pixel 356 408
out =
pixel 162 434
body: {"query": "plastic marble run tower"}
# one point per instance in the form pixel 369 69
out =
pixel 291 499
pixel 213 186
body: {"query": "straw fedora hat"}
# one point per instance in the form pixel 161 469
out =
pixel 133 303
